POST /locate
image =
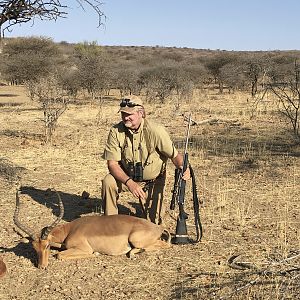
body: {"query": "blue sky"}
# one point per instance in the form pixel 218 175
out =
pixel 210 24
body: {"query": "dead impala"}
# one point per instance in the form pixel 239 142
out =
pixel 112 235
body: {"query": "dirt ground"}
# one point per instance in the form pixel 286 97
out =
pixel 247 166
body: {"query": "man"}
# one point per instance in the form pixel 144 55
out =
pixel 137 151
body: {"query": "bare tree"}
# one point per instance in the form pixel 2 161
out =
pixel 287 93
pixel 256 67
pixel 20 11
pixel 53 100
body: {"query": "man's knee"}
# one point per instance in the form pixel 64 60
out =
pixel 109 182
pixel 109 195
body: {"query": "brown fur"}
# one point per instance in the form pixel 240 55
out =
pixel 111 235
pixel 3 268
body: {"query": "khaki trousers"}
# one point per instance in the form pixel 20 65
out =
pixel 153 206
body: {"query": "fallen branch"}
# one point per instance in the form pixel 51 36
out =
pixel 218 121
pixel 212 121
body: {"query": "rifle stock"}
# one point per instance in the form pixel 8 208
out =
pixel 181 236
pixel 179 184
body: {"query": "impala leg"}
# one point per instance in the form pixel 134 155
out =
pixel 156 246
pixel 159 244
pixel 74 253
pixel 56 245
pixel 134 251
pixel 149 237
pixel 147 241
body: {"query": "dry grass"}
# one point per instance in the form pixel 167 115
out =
pixel 247 170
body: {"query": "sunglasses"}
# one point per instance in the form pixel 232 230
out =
pixel 127 102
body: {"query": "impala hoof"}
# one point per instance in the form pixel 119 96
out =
pixel 42 267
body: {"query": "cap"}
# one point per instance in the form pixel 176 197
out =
pixel 129 104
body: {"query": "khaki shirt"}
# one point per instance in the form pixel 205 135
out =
pixel 151 145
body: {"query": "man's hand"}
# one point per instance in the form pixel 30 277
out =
pixel 187 174
pixel 178 162
pixel 136 189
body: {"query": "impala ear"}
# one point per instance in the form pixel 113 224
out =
pixel 26 239
pixel 44 233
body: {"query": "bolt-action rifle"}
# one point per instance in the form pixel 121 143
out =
pixel 181 235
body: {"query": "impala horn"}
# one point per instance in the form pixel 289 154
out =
pixel 47 230
pixel 17 222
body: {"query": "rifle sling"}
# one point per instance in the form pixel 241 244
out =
pixel 198 224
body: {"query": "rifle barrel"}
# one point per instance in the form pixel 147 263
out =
pixel 187 133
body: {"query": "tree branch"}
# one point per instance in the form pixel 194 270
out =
pixel 14 12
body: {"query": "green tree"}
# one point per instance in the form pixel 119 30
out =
pixel 92 68
pixel 163 81
pixel 215 64
pixel 126 79
pixel 27 59
pixel 159 82
pixel 233 76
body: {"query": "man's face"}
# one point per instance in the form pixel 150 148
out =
pixel 132 120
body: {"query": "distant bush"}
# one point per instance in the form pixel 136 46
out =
pixel 27 59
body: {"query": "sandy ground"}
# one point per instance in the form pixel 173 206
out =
pixel 248 172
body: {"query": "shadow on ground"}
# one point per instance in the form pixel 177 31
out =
pixel 22 250
pixel 75 206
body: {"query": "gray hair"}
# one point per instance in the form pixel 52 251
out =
pixel 142 110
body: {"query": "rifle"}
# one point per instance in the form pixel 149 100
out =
pixel 181 235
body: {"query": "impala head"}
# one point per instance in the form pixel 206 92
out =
pixel 40 244
pixel 42 249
